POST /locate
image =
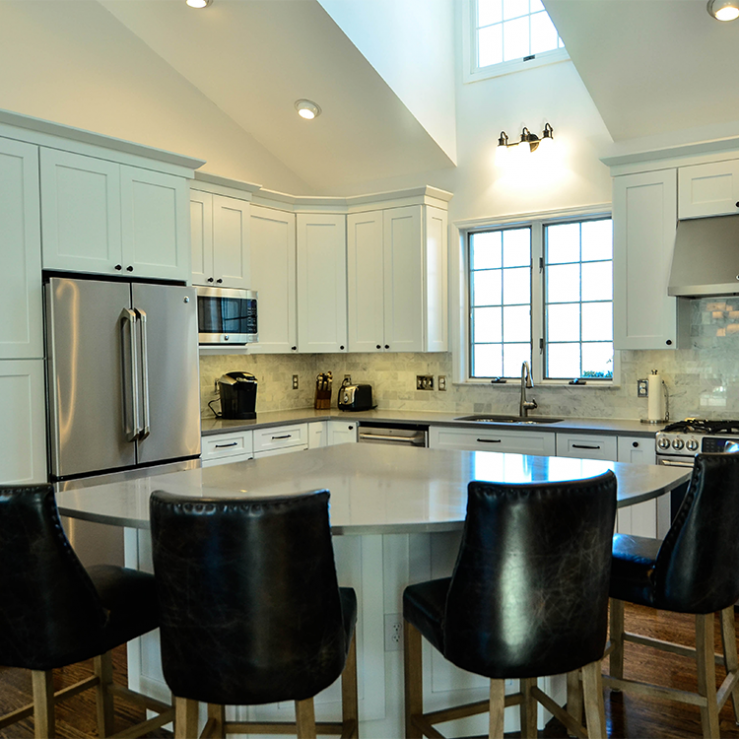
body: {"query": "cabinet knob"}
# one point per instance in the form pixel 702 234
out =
pixel 387 346
pixel 737 205
pixel 635 444
pixel 210 279
pixel 351 428
pixel 294 348
pixel 379 347
pixel 668 342
pixel 119 267
pixel 342 348
pixel 219 281
pixel 129 268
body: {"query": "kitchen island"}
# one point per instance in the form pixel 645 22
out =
pixel 397 514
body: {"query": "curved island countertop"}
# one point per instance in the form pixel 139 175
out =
pixel 375 489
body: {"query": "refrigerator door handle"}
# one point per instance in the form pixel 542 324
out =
pixel 127 316
pixel 145 429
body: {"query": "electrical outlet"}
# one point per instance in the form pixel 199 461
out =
pixel 295 382
pixel 642 389
pixel 424 382
pixel 393 632
pixel 442 382
pixel 348 379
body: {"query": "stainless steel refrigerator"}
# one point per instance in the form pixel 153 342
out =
pixel 122 377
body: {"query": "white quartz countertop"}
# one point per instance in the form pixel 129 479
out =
pixel 380 489
pixel 211 425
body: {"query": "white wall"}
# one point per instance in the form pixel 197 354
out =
pixel 73 63
pixel 411 44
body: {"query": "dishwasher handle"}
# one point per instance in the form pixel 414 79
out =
pixel 418 438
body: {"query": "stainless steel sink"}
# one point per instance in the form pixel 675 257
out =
pixel 508 419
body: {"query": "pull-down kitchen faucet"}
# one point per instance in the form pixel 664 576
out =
pixel 524 405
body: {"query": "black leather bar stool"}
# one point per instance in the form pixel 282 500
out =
pixel 528 598
pixel 251 610
pixel 694 570
pixel 54 613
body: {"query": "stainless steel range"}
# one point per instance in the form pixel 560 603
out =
pixel 678 443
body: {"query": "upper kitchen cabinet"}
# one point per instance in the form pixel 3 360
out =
pixel 103 217
pixel 644 222
pixel 220 240
pixel 273 276
pixel 321 282
pixel 21 333
pixel 397 268
pixel 708 189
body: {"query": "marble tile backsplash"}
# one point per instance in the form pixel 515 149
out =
pixel 702 378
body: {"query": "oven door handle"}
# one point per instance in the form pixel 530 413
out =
pixel 674 463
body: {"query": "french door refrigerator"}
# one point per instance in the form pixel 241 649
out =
pixel 123 388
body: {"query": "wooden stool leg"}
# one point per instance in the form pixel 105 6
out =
pixel 43 703
pixel 305 717
pixel 413 674
pixel 706 673
pixel 616 635
pixel 349 693
pixel 497 708
pixel 528 708
pixel 595 711
pixel 728 639
pixel 103 697
pixel 216 721
pixel 574 695
pixel 185 718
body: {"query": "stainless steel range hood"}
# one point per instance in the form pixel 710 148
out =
pixel 706 258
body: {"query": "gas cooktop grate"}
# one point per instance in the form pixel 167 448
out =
pixel 703 426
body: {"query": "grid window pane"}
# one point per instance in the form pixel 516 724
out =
pixel 597 360
pixel 515 39
pixel 563 361
pixel 515 8
pixel 487 360
pixel 486 250
pixel 517 286
pixel 490 46
pixel 597 321
pixel 487 325
pixel 535 6
pixel 489 11
pixel 486 287
pixel 543 33
pixel 597 281
pixel 597 240
pixel 563 243
pixel 563 283
pixel 515 355
pixel 563 322
pixel 517 324
pixel 517 247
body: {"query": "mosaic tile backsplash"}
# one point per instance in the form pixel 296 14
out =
pixel 702 378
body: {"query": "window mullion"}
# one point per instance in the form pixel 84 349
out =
pixel 537 300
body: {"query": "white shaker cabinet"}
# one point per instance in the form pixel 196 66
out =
pixel 644 221
pixel 322 286
pixel 710 189
pixel 273 276
pixel 493 440
pixel 587 446
pixel 331 433
pixel 21 331
pixel 397 280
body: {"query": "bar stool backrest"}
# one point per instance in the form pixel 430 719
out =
pixel 529 592
pixel 249 599
pixel 697 568
pixel 48 604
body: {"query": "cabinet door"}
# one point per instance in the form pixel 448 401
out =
pixel 80 213
pixel 155 224
pixel 587 446
pixel 21 330
pixel 403 267
pixel 231 263
pixel 273 277
pixel 365 282
pixel 436 319
pixel 341 432
pixel 201 237
pixel 321 283
pixel 651 518
pixel 317 434
pixel 23 434
pixel 636 449
pixel 492 440
pixel 708 189
pixel 644 221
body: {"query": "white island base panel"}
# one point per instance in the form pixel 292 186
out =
pixel 378 567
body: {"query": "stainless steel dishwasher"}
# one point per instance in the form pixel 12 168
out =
pixel 407 434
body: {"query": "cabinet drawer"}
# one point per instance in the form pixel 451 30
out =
pixel 492 440
pixel 235 444
pixel 587 446
pixel 280 437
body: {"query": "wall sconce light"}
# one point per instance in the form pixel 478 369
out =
pixel 723 10
pixel 533 141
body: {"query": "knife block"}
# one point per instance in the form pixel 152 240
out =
pixel 322 400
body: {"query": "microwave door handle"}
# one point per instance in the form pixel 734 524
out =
pixel 127 316
pixel 145 429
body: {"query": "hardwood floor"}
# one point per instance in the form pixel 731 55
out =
pixel 629 716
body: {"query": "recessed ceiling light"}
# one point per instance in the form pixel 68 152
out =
pixel 198 3
pixel 307 109
pixel 724 10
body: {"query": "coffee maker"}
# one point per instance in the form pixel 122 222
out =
pixel 238 391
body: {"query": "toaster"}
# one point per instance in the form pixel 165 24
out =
pixel 355 398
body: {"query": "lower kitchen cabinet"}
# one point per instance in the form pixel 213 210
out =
pixel 280 439
pixel 23 434
pixel 331 433
pixel 492 440
pixel 226 448
pixel 587 446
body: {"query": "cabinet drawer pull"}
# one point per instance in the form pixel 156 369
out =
pixel 284 436
pixel 490 441
pixel 223 446
pixel 585 446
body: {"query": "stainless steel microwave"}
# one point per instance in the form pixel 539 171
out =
pixel 226 316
